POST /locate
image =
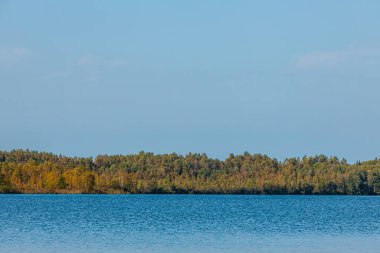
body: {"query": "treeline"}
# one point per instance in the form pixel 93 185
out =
pixel 39 172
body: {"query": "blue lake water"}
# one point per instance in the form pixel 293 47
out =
pixel 189 223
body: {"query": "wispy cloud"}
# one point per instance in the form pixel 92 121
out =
pixel 12 55
pixel 94 67
pixel 91 60
pixel 57 75
pixel 87 68
pixel 351 56
pixel 87 60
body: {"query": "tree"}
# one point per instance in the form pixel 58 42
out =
pixel 88 182
pixel 39 172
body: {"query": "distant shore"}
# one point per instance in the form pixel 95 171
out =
pixel 24 171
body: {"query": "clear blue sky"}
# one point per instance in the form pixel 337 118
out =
pixel 284 78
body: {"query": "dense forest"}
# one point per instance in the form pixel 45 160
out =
pixel 39 172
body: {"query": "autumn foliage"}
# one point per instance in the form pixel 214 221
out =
pixel 39 172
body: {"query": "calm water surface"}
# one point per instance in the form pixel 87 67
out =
pixel 188 223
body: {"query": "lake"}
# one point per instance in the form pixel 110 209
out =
pixel 189 223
